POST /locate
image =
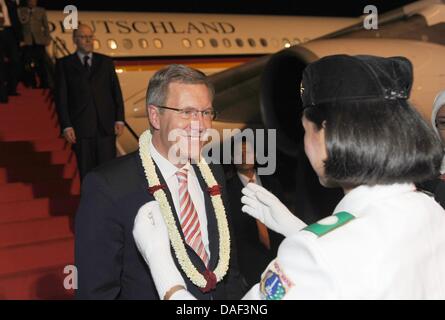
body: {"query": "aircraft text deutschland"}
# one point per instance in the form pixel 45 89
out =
pixel 154 27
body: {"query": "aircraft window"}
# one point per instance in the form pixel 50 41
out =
pixel 286 43
pixel 158 43
pixel 214 43
pixel 239 42
pixel 251 42
pixel 227 43
pixel 263 42
pixel 143 43
pixel 96 44
pixel 128 44
pixel 200 43
pixel 186 43
pixel 112 44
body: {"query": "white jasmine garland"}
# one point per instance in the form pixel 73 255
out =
pixel 175 237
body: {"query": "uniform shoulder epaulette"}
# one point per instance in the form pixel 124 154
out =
pixel 330 223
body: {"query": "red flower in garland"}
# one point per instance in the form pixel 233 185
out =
pixel 211 281
pixel 155 188
pixel 215 190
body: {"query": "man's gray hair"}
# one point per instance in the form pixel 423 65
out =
pixel 157 90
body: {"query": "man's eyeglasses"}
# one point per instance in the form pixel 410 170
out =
pixel 191 113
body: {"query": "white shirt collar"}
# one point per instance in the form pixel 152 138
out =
pixel 81 55
pixel 361 196
pixel 166 167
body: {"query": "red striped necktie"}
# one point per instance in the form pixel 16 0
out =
pixel 189 218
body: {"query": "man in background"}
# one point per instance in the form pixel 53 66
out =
pixel 256 244
pixel 89 102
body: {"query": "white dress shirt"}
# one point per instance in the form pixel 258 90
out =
pixel 168 171
pixel 82 56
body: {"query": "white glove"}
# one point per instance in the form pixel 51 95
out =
pixel 151 237
pixel 264 206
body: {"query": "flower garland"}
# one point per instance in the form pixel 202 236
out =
pixel 206 281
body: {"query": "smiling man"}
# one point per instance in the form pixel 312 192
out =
pixel 167 169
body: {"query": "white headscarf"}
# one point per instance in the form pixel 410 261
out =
pixel 438 103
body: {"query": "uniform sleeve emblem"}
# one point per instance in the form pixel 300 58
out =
pixel 330 223
pixel 274 283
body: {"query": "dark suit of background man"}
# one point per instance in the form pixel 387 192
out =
pixel 35 37
pixel 256 244
pixel 11 37
pixel 89 102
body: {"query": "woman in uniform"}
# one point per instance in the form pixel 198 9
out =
pixel 385 239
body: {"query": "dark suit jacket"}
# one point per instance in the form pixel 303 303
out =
pixel 15 22
pixel 86 101
pixel 253 257
pixel 108 261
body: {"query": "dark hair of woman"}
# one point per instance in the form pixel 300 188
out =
pixel 376 142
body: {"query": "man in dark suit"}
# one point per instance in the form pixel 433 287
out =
pixel 256 244
pixel 89 102
pixel 107 258
pixel 11 36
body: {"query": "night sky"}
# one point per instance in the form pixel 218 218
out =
pixel 280 7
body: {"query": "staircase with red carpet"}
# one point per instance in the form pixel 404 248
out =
pixel 39 194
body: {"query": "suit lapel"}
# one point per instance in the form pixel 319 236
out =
pixel 140 169
pixel 95 64
pixel 75 61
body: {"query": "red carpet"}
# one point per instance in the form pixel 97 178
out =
pixel 39 194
